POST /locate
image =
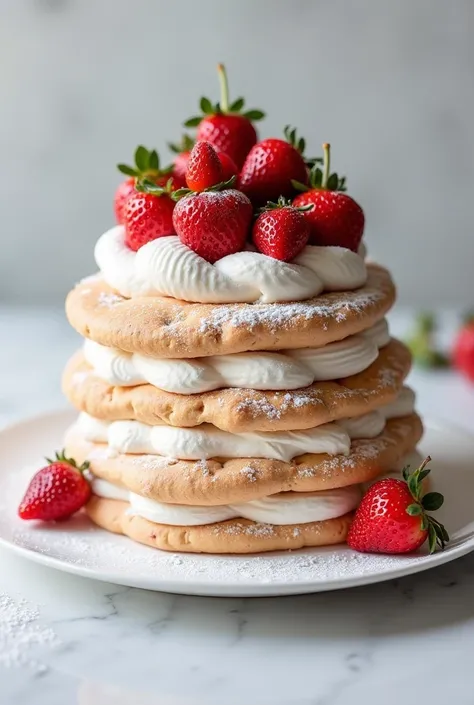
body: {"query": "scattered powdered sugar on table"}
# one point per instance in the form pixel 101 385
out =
pixel 20 632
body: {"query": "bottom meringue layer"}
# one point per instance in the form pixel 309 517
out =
pixel 279 509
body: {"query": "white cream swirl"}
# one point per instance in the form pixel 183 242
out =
pixel 279 509
pixel 166 267
pixel 291 369
pixel 207 441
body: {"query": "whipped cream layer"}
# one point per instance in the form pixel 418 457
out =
pixel 166 267
pixel 280 509
pixel 207 441
pixel 292 369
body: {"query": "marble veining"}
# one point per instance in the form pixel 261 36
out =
pixel 402 641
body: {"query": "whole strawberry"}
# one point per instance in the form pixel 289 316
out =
pixel 392 518
pixel 336 218
pixel 148 214
pixel 147 166
pixel 271 167
pixel 213 223
pixel 224 125
pixel 204 167
pixel 56 491
pixel 463 351
pixel 180 161
pixel 280 231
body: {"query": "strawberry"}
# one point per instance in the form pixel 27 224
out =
pixel 148 214
pixel 463 352
pixel 204 167
pixel 180 162
pixel 336 218
pixel 280 231
pixel 392 518
pixel 271 166
pixel 56 491
pixel 229 167
pixel 147 166
pixel 224 125
pixel 214 223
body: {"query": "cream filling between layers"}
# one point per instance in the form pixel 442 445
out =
pixel 280 509
pixel 292 369
pixel 207 441
pixel 166 267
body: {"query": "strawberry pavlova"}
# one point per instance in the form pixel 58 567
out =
pixel 238 385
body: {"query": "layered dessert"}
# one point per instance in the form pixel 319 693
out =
pixel 238 386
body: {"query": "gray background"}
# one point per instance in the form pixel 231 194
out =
pixel 389 83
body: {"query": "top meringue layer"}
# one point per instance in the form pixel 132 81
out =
pixel 166 267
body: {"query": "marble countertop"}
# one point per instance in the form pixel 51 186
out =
pixel 66 640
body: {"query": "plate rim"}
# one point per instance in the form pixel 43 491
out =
pixel 249 587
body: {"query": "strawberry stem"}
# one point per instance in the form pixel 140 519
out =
pixel 224 102
pixel 326 165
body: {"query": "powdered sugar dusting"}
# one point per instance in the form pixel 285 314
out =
pixel 278 316
pixel 109 300
pixel 20 632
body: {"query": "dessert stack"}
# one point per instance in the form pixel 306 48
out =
pixel 237 386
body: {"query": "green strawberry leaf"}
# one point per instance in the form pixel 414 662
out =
pixel 432 538
pixel 154 161
pixel 142 158
pixel 414 510
pixel 254 115
pixel 237 105
pixel 432 501
pixel 206 106
pixel 193 122
pixel 127 170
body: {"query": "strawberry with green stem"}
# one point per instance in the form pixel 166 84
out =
pixel 272 166
pixel 224 124
pixel 147 166
pixel 392 516
pixel 56 491
pixel 336 219
pixel 280 230
pixel 149 213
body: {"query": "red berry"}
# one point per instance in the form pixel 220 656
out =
pixel 204 167
pixel 146 166
pixel 269 169
pixel 180 166
pixel 232 134
pixel 225 126
pixel 281 232
pixel 336 218
pixel 391 517
pixel 147 217
pixel 213 223
pixel 463 352
pixel 56 491
pixel 180 162
pixel 229 167
pixel 123 191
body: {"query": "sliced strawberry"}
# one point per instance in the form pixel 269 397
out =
pixel 56 491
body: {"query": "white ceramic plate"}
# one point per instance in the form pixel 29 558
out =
pixel 79 547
